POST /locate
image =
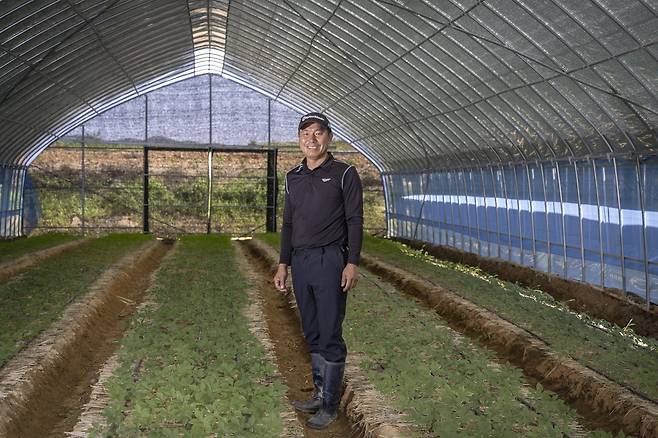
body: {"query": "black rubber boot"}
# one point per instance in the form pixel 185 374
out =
pixel 333 390
pixel 315 402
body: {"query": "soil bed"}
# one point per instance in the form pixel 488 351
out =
pixel 292 357
pixel 603 403
pixel 610 304
pixel 43 389
pixel 11 268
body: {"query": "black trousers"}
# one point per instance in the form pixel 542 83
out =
pixel 316 276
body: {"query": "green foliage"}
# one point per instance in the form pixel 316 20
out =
pixel 448 385
pixel 33 300
pixel 13 249
pixel 202 372
pixel 616 352
pixel 445 383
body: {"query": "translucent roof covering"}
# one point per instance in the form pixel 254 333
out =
pixel 414 84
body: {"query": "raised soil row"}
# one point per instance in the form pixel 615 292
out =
pixel 591 393
pixel 40 388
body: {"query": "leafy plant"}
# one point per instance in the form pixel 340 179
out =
pixel 33 300
pixel 202 372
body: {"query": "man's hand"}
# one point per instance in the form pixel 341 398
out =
pixel 350 277
pixel 281 276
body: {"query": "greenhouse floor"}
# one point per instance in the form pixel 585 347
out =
pixel 215 348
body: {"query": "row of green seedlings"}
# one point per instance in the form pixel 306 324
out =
pixel 616 352
pixel 189 364
pixel 32 300
pixel 10 250
pixel 445 383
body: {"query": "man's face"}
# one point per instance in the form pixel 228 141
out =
pixel 314 141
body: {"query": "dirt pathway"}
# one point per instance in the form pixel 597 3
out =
pixel 43 389
pixel 291 353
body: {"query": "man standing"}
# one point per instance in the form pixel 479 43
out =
pixel 321 241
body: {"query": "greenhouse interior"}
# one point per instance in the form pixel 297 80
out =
pixel 508 156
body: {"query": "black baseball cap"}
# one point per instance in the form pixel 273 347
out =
pixel 313 118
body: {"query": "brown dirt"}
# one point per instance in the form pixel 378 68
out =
pixel 367 412
pixel 292 357
pixel 604 404
pixel 610 304
pixel 43 390
pixel 13 267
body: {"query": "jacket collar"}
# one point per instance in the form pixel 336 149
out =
pixel 326 163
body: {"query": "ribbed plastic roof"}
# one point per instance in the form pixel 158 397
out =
pixel 415 84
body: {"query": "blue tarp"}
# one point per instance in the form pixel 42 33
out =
pixel 565 218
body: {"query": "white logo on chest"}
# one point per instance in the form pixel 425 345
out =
pixel 326 179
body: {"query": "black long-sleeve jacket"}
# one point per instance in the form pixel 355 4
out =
pixel 323 206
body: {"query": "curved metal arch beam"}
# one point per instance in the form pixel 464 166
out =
pixel 457 27
pixel 466 84
pixel 397 58
pixel 52 50
pixel 542 50
pixel 393 104
pixel 527 58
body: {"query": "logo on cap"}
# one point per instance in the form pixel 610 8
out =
pixel 314 117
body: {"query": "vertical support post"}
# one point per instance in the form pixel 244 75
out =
pixel 471 176
pixel 272 190
pixel 532 218
pixel 640 180
pixel 468 216
pixel 495 193
pixel 598 217
pixel 448 176
pixel 518 208
pixel 548 225
pixel 484 198
pixel 580 223
pixel 209 194
pixel 21 204
pixel 82 183
pixel 564 230
pixel 509 223
pixel 621 228
pixel 145 209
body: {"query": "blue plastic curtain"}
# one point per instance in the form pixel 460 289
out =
pixel 592 220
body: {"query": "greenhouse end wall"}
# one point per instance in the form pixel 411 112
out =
pixel 11 201
pixel 592 220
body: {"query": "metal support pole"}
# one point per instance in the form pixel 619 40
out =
pixel 564 230
pixel 495 192
pixel 477 219
pixel 509 223
pixel 452 213
pixel 532 218
pixel 621 228
pixel 272 190
pixel 598 217
pixel 210 155
pixel 484 198
pixel 468 216
pixel 548 225
pixel 82 183
pixel 580 223
pixel 518 207
pixel 641 181
pixel 209 195
pixel 145 209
